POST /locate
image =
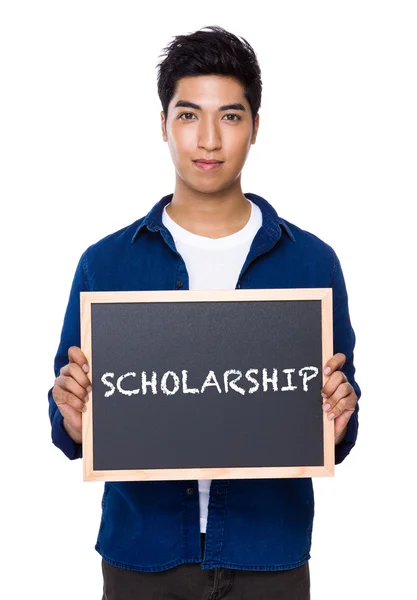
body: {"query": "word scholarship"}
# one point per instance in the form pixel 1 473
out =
pixel 231 381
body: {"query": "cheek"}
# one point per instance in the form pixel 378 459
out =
pixel 181 141
pixel 236 147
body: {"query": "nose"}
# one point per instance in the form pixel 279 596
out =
pixel 209 137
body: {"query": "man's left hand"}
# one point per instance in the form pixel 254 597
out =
pixel 339 397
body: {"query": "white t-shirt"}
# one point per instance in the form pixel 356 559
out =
pixel 213 264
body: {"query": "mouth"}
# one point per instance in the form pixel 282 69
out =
pixel 208 165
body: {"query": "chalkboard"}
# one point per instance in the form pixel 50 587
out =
pixel 206 384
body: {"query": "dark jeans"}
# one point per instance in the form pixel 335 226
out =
pixel 191 582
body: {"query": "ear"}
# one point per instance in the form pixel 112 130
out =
pixel 255 129
pixel 163 127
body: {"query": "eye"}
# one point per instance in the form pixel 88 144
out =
pixel 186 114
pixel 238 118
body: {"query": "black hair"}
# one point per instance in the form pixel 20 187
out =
pixel 213 52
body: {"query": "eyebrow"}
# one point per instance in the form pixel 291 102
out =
pixel 186 104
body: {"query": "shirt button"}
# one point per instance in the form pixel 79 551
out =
pixel 180 283
pixel 190 491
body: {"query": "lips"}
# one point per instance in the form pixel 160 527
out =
pixel 208 165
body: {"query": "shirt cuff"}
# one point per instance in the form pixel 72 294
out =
pixel 62 440
pixel 346 445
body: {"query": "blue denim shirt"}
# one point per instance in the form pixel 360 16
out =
pixel 254 524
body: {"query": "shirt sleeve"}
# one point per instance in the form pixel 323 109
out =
pixel 344 341
pixel 70 336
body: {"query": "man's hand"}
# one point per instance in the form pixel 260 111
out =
pixel 339 397
pixel 70 392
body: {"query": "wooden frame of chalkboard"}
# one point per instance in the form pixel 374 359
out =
pixel 99 463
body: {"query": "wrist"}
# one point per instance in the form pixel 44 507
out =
pixel 74 435
pixel 341 436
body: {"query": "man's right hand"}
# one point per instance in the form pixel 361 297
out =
pixel 70 392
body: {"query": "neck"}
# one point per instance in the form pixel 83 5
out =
pixel 210 215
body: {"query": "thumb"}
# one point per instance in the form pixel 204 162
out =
pixel 75 355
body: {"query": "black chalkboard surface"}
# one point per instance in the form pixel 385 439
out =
pixel 217 384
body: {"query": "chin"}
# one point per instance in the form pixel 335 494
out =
pixel 208 187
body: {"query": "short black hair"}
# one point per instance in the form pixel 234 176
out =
pixel 212 52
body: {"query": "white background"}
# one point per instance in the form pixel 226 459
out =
pixel 82 156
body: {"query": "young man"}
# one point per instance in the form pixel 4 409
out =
pixel 227 539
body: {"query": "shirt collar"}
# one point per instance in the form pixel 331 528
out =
pixel 271 222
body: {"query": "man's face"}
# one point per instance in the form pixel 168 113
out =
pixel 202 124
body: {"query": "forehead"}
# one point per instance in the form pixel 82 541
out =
pixel 210 91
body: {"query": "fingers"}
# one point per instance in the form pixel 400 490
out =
pixel 64 396
pixel 73 371
pixel 346 403
pixel 335 363
pixel 335 380
pixel 337 390
pixel 75 355
pixel 72 387
pixel 343 399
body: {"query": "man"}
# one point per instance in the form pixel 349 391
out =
pixel 224 539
